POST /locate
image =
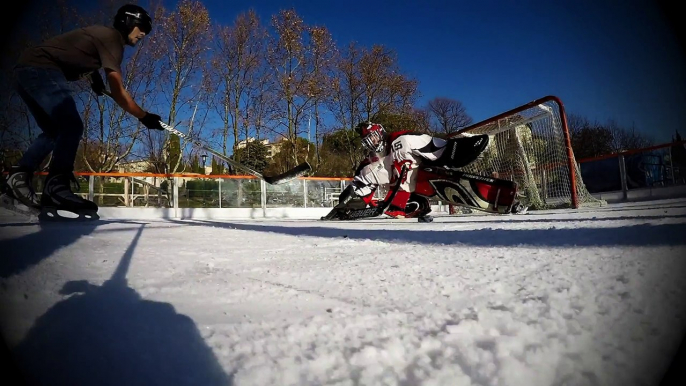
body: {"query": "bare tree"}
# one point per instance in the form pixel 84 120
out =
pixel 447 115
pixel 260 113
pixel 323 57
pixel 625 139
pixel 386 89
pixel 576 123
pixel 182 35
pixel 346 94
pixel 347 89
pixel 589 139
pixel 592 139
pixel 368 84
pixel 288 58
pixel 236 64
pixel 422 120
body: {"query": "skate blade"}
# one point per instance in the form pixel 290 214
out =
pixel 54 214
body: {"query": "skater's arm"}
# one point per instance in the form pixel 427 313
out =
pixel 121 96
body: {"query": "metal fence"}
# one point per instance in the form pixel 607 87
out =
pixel 652 167
pixel 657 166
pixel 204 191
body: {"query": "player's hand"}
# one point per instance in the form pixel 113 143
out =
pixel 152 121
pixel 97 85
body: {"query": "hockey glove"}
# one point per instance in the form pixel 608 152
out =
pixel 97 84
pixel 152 121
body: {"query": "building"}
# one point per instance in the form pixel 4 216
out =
pixel 138 166
pixel 273 148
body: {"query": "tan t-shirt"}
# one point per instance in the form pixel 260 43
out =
pixel 79 52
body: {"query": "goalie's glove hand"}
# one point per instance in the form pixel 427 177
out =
pixel 97 85
pixel 152 121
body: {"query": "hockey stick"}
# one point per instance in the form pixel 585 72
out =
pixel 289 175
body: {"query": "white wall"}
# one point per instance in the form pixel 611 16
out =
pixel 220 213
pixel 643 194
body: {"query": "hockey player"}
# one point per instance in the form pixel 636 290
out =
pixel 389 153
pixel 42 76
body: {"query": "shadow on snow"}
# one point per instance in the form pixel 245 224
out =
pixel 632 235
pixel 109 335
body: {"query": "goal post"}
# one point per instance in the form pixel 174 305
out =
pixel 531 145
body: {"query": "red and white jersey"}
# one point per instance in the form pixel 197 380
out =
pixel 373 172
pixel 403 148
pixel 411 149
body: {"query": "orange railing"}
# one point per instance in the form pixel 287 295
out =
pixel 635 168
pixel 193 190
pixel 188 175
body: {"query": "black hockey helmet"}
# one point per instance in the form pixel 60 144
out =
pixel 131 15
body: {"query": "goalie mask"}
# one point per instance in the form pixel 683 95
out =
pixel 373 137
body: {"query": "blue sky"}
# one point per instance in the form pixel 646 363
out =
pixel 603 59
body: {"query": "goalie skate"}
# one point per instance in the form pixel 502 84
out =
pixel 519 208
pixel 425 219
pixel 354 208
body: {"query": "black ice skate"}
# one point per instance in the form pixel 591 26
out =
pixel 417 207
pixel 58 196
pixel 8 202
pixel 17 194
pixel 519 208
pixel 425 219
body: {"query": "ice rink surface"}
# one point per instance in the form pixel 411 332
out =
pixel 569 297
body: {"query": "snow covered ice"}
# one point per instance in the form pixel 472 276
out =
pixel 571 297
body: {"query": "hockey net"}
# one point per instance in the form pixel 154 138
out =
pixel 532 146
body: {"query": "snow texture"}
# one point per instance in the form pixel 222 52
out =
pixel 570 297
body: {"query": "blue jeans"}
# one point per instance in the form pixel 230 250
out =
pixel 47 95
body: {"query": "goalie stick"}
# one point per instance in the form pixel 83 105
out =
pixel 356 214
pixel 289 175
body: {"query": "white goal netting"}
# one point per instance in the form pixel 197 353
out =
pixel 531 145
